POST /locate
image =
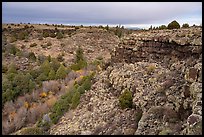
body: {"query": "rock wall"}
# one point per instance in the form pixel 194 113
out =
pixel 163 69
pixel 158 44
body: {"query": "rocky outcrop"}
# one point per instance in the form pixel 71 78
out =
pixel 163 70
pixel 159 44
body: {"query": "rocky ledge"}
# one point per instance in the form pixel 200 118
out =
pixel 158 44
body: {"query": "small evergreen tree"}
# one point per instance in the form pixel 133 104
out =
pixel 81 89
pixel 59 35
pixel 55 64
pixel 173 25
pixel 150 27
pixel 185 25
pixel 51 74
pixel 125 99
pixel 75 100
pixel 45 67
pixel 79 55
pixel 61 72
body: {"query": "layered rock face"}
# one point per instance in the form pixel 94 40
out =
pixel 163 69
pixel 158 44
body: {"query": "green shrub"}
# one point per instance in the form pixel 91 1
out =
pixel 22 35
pixel 40 78
pixel 61 106
pixel 79 55
pixel 75 100
pixel 7 95
pixel 12 68
pixel 49 58
pixel 125 99
pixel 35 73
pixel 81 89
pixel 61 72
pixel 173 25
pixel 162 27
pixel 45 34
pixel 32 131
pixel 185 25
pixel 51 75
pixel 55 64
pixel 45 67
pixel 52 35
pixel 32 56
pixel 41 59
pixel 87 84
pixel 59 35
pixel 77 66
pixel 12 49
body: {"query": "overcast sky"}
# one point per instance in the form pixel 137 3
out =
pixel 129 14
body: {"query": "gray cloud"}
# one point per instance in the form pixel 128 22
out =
pixel 101 12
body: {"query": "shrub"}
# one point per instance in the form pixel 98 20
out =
pixel 52 35
pixel 41 77
pixel 12 68
pixel 32 56
pixel 12 49
pixel 51 74
pixel 45 67
pixel 81 89
pixel 32 131
pixel 35 73
pixel 49 58
pixel 76 27
pixel 185 25
pixel 59 35
pixel 45 34
pixel 41 58
pixel 33 45
pixel 79 55
pixel 19 119
pixel 75 100
pixel 55 64
pixel 51 85
pixel 22 35
pixel 61 72
pixel 7 96
pixel 125 99
pixel 150 68
pixel 162 27
pixel 173 25
pixel 77 66
pixel 87 84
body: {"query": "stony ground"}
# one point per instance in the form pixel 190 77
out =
pixel 169 92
